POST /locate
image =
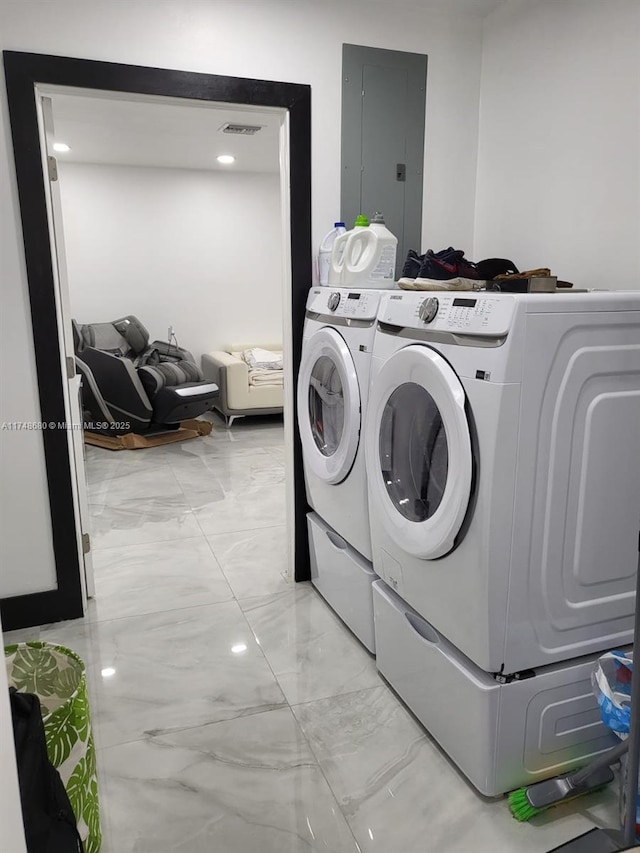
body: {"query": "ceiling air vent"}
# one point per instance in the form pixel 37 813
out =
pixel 241 129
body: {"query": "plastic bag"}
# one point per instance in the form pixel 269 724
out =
pixel 612 686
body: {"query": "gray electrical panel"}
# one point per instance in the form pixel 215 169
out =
pixel 383 115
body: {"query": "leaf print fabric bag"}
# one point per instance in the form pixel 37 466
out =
pixel 57 676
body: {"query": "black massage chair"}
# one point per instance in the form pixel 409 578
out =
pixel 129 385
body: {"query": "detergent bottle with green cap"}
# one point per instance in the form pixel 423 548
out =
pixel 339 249
pixel 369 258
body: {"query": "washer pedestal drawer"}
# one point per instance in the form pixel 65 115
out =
pixel 343 577
pixel 502 736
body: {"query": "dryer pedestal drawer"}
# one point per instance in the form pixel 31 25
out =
pixel 501 736
pixel 343 578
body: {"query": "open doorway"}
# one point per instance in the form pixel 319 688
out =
pixel 287 106
pixel 170 214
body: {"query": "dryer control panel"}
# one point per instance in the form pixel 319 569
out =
pixel 340 302
pixel 467 313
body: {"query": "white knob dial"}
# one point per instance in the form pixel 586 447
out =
pixel 334 301
pixel 429 309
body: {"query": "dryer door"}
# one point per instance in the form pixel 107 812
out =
pixel 328 406
pixel 419 462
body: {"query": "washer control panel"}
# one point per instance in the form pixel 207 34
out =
pixel 339 302
pixel 471 314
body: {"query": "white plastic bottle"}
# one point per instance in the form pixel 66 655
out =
pixel 370 257
pixel 326 247
pixel 340 247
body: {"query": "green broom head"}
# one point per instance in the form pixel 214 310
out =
pixel 527 802
pixel 520 806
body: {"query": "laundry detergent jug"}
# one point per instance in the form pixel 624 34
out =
pixel 370 257
pixel 339 250
pixel 326 249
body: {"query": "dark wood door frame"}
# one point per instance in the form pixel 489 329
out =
pixel 23 72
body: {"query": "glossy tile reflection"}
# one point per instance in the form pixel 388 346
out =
pixel 234 473
pixel 396 787
pixel 232 710
pixel 244 785
pixel 254 562
pixel 157 576
pixel 309 649
pixel 139 520
pixel 259 506
pixel 177 669
pixel 137 482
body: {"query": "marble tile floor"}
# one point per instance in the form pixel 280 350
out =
pixel 232 709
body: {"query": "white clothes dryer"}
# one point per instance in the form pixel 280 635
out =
pixel 333 385
pixel 503 463
pixel 503 457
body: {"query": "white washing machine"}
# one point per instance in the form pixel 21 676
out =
pixel 332 396
pixel 503 461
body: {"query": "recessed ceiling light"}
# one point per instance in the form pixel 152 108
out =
pixel 61 146
pixel 239 648
pixel 108 671
pixel 226 159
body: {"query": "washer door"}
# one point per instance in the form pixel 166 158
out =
pixel 328 406
pixel 419 462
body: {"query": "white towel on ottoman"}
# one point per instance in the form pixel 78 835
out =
pixel 266 377
pixel 263 359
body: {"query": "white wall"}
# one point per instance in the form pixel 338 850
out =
pixel 299 42
pixel 559 150
pixel 26 548
pixel 198 250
